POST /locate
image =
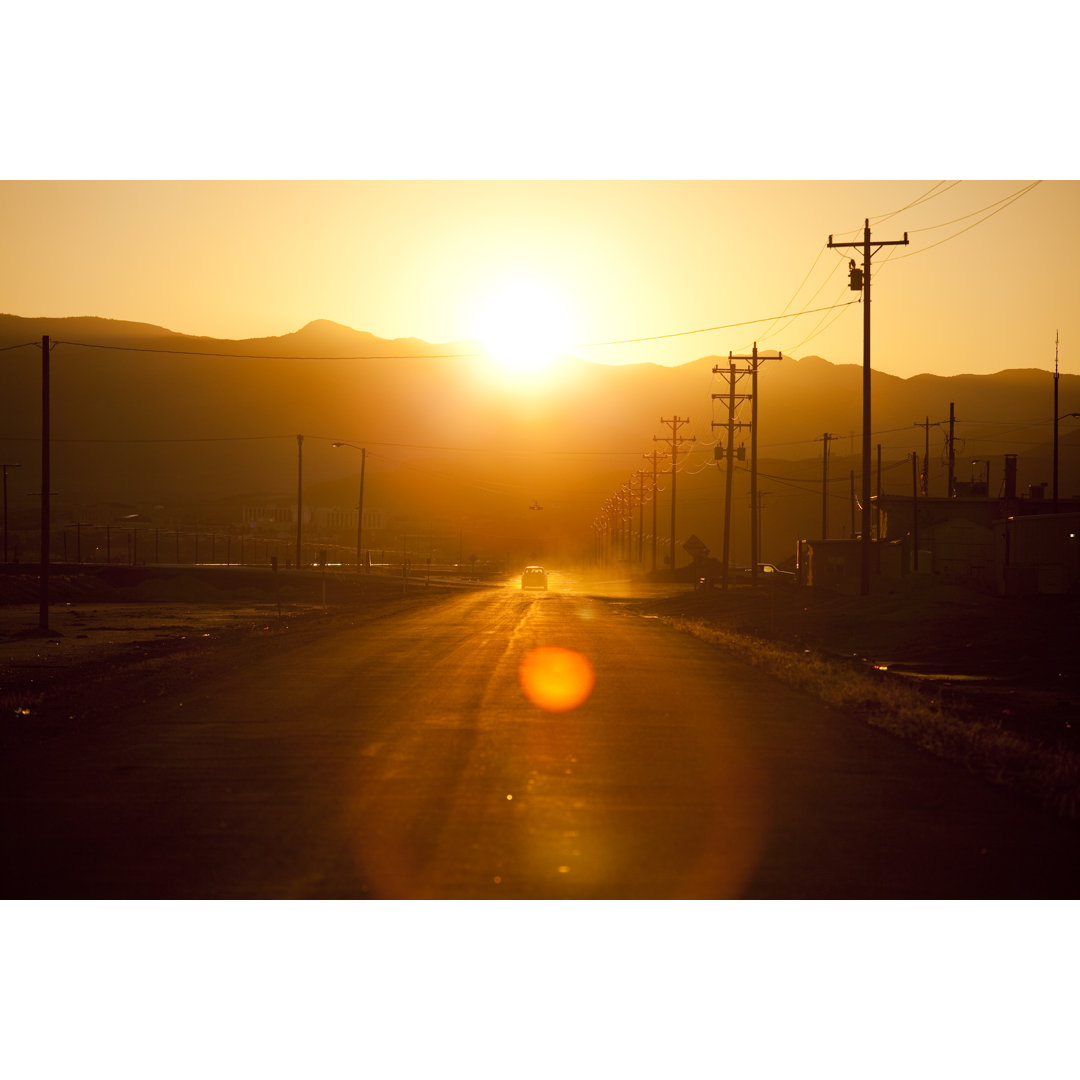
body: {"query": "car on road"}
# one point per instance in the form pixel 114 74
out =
pixel 768 572
pixel 534 577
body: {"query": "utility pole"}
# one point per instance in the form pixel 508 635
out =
pixel 360 503
pixel 826 438
pixel 674 441
pixel 46 523
pixel 755 362
pixel 926 425
pixel 877 503
pixel 299 495
pixel 1056 417
pixel 729 453
pixel 950 490
pixel 653 455
pixel 360 514
pixel 761 514
pixel 926 460
pixel 860 281
pixel 640 513
pixel 627 490
pixel 915 506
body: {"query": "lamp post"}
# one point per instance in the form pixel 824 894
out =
pixel 360 504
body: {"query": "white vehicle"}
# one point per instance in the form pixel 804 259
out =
pixel 534 577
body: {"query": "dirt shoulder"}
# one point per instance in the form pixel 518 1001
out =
pixel 1009 661
pixel 102 647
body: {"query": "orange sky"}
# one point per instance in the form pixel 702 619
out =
pixel 618 259
pixel 396 168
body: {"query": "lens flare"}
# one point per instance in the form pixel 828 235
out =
pixel 556 679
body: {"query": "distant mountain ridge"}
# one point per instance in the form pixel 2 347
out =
pixel 145 422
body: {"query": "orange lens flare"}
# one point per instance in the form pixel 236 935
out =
pixel 556 679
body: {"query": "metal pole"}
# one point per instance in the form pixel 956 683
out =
pixel 640 513
pixel 877 516
pixel 729 472
pixel 915 505
pixel 299 495
pixel 926 460
pixel 360 512
pixel 865 548
pixel 43 604
pixel 1055 510
pixel 825 488
pixel 654 501
pixel 951 489
pixel 754 536
pixel 674 456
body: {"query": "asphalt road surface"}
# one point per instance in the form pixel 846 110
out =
pixel 402 757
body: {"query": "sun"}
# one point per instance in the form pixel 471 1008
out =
pixel 524 325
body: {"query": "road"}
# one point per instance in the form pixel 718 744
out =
pixel 400 757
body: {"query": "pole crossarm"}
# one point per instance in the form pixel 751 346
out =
pixel 674 440
pixel 861 282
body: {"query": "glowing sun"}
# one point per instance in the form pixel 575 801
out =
pixel 524 326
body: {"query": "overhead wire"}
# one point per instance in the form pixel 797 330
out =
pixel 995 207
pixel 1004 205
pixel 1013 197
pixel 433 356
pixel 924 198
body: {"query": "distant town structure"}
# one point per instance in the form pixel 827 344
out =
pixel 1011 544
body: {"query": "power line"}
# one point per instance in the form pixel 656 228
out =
pixel 1007 201
pixel 266 356
pixel 924 198
pixel 441 356
pixel 1015 195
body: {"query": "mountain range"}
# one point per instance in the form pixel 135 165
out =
pixel 193 427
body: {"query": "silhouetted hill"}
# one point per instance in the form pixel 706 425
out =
pixel 147 416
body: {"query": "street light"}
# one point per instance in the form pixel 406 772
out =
pixel 360 505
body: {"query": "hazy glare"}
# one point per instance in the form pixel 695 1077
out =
pixel 614 259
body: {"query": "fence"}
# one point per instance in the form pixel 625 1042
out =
pixel 137 545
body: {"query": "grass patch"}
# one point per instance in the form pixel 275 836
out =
pixel 1051 775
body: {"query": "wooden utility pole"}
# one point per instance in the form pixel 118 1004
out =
pixel 1056 418
pixel 653 455
pixel 877 502
pixel 728 452
pixel 926 460
pixel 915 505
pixel 825 438
pixel 46 520
pixel 860 280
pixel 299 495
pixel 675 441
pixel 640 513
pixel 755 362
pixel 924 479
pixel 950 490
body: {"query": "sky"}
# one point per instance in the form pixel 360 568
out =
pixel 562 181
pixel 987 279
pixel 238 170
